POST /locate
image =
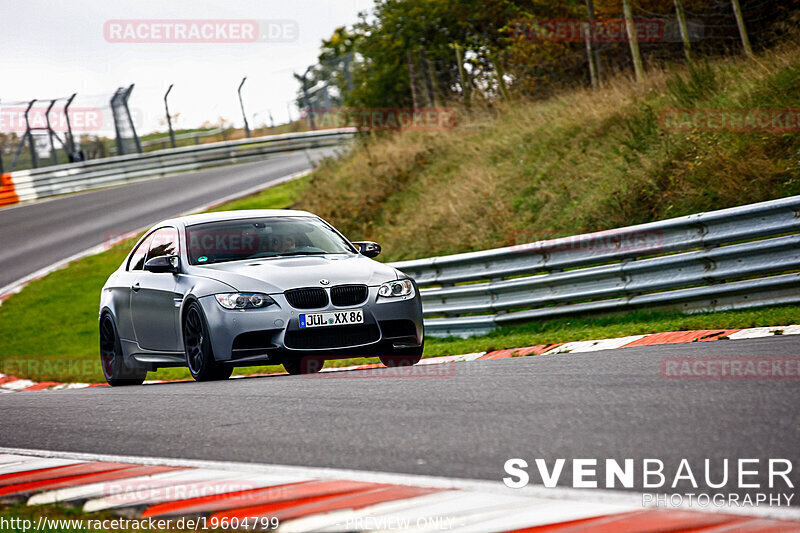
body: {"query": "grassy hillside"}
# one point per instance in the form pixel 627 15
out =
pixel 584 161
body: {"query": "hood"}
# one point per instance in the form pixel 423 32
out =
pixel 284 273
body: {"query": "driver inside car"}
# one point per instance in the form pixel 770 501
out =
pixel 281 243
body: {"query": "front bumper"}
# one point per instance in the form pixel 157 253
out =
pixel 270 335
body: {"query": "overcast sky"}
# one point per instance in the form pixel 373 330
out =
pixel 53 48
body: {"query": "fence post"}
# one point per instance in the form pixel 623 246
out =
pixel 465 89
pixel 29 135
pixel 737 10
pixel 687 45
pixel 169 119
pixel 633 39
pixel 117 131
pixel 130 118
pixel 72 154
pixel 589 37
pixel 241 103
pixel 500 76
pixel 53 154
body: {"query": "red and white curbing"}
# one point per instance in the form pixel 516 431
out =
pixel 669 337
pixel 13 384
pixel 303 499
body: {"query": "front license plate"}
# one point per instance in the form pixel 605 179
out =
pixel 336 318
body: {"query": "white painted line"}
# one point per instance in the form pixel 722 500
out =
pixel 18 384
pixel 8 458
pixel 34 463
pixel 752 333
pixel 593 345
pixel 766 331
pixel 451 358
pixel 70 386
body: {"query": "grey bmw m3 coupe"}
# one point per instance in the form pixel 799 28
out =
pixel 259 287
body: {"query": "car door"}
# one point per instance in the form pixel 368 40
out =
pixel 154 303
pixel 122 288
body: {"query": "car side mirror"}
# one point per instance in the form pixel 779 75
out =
pixel 164 263
pixel 368 248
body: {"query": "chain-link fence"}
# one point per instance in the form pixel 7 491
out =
pixel 51 131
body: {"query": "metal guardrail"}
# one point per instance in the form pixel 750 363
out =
pixel 27 185
pixel 196 135
pixel 728 259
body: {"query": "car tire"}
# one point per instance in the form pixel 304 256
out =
pixel 197 346
pixel 304 365
pixel 403 357
pixel 112 361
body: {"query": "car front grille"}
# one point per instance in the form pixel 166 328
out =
pixel 311 298
pixel 346 295
pixel 331 337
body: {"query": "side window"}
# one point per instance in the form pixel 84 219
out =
pixel 140 254
pixel 163 242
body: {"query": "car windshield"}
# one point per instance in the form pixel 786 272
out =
pixel 235 240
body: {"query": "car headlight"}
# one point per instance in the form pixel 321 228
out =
pixel 244 300
pixel 396 289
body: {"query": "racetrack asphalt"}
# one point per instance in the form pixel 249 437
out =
pixel 466 423
pixel 36 235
